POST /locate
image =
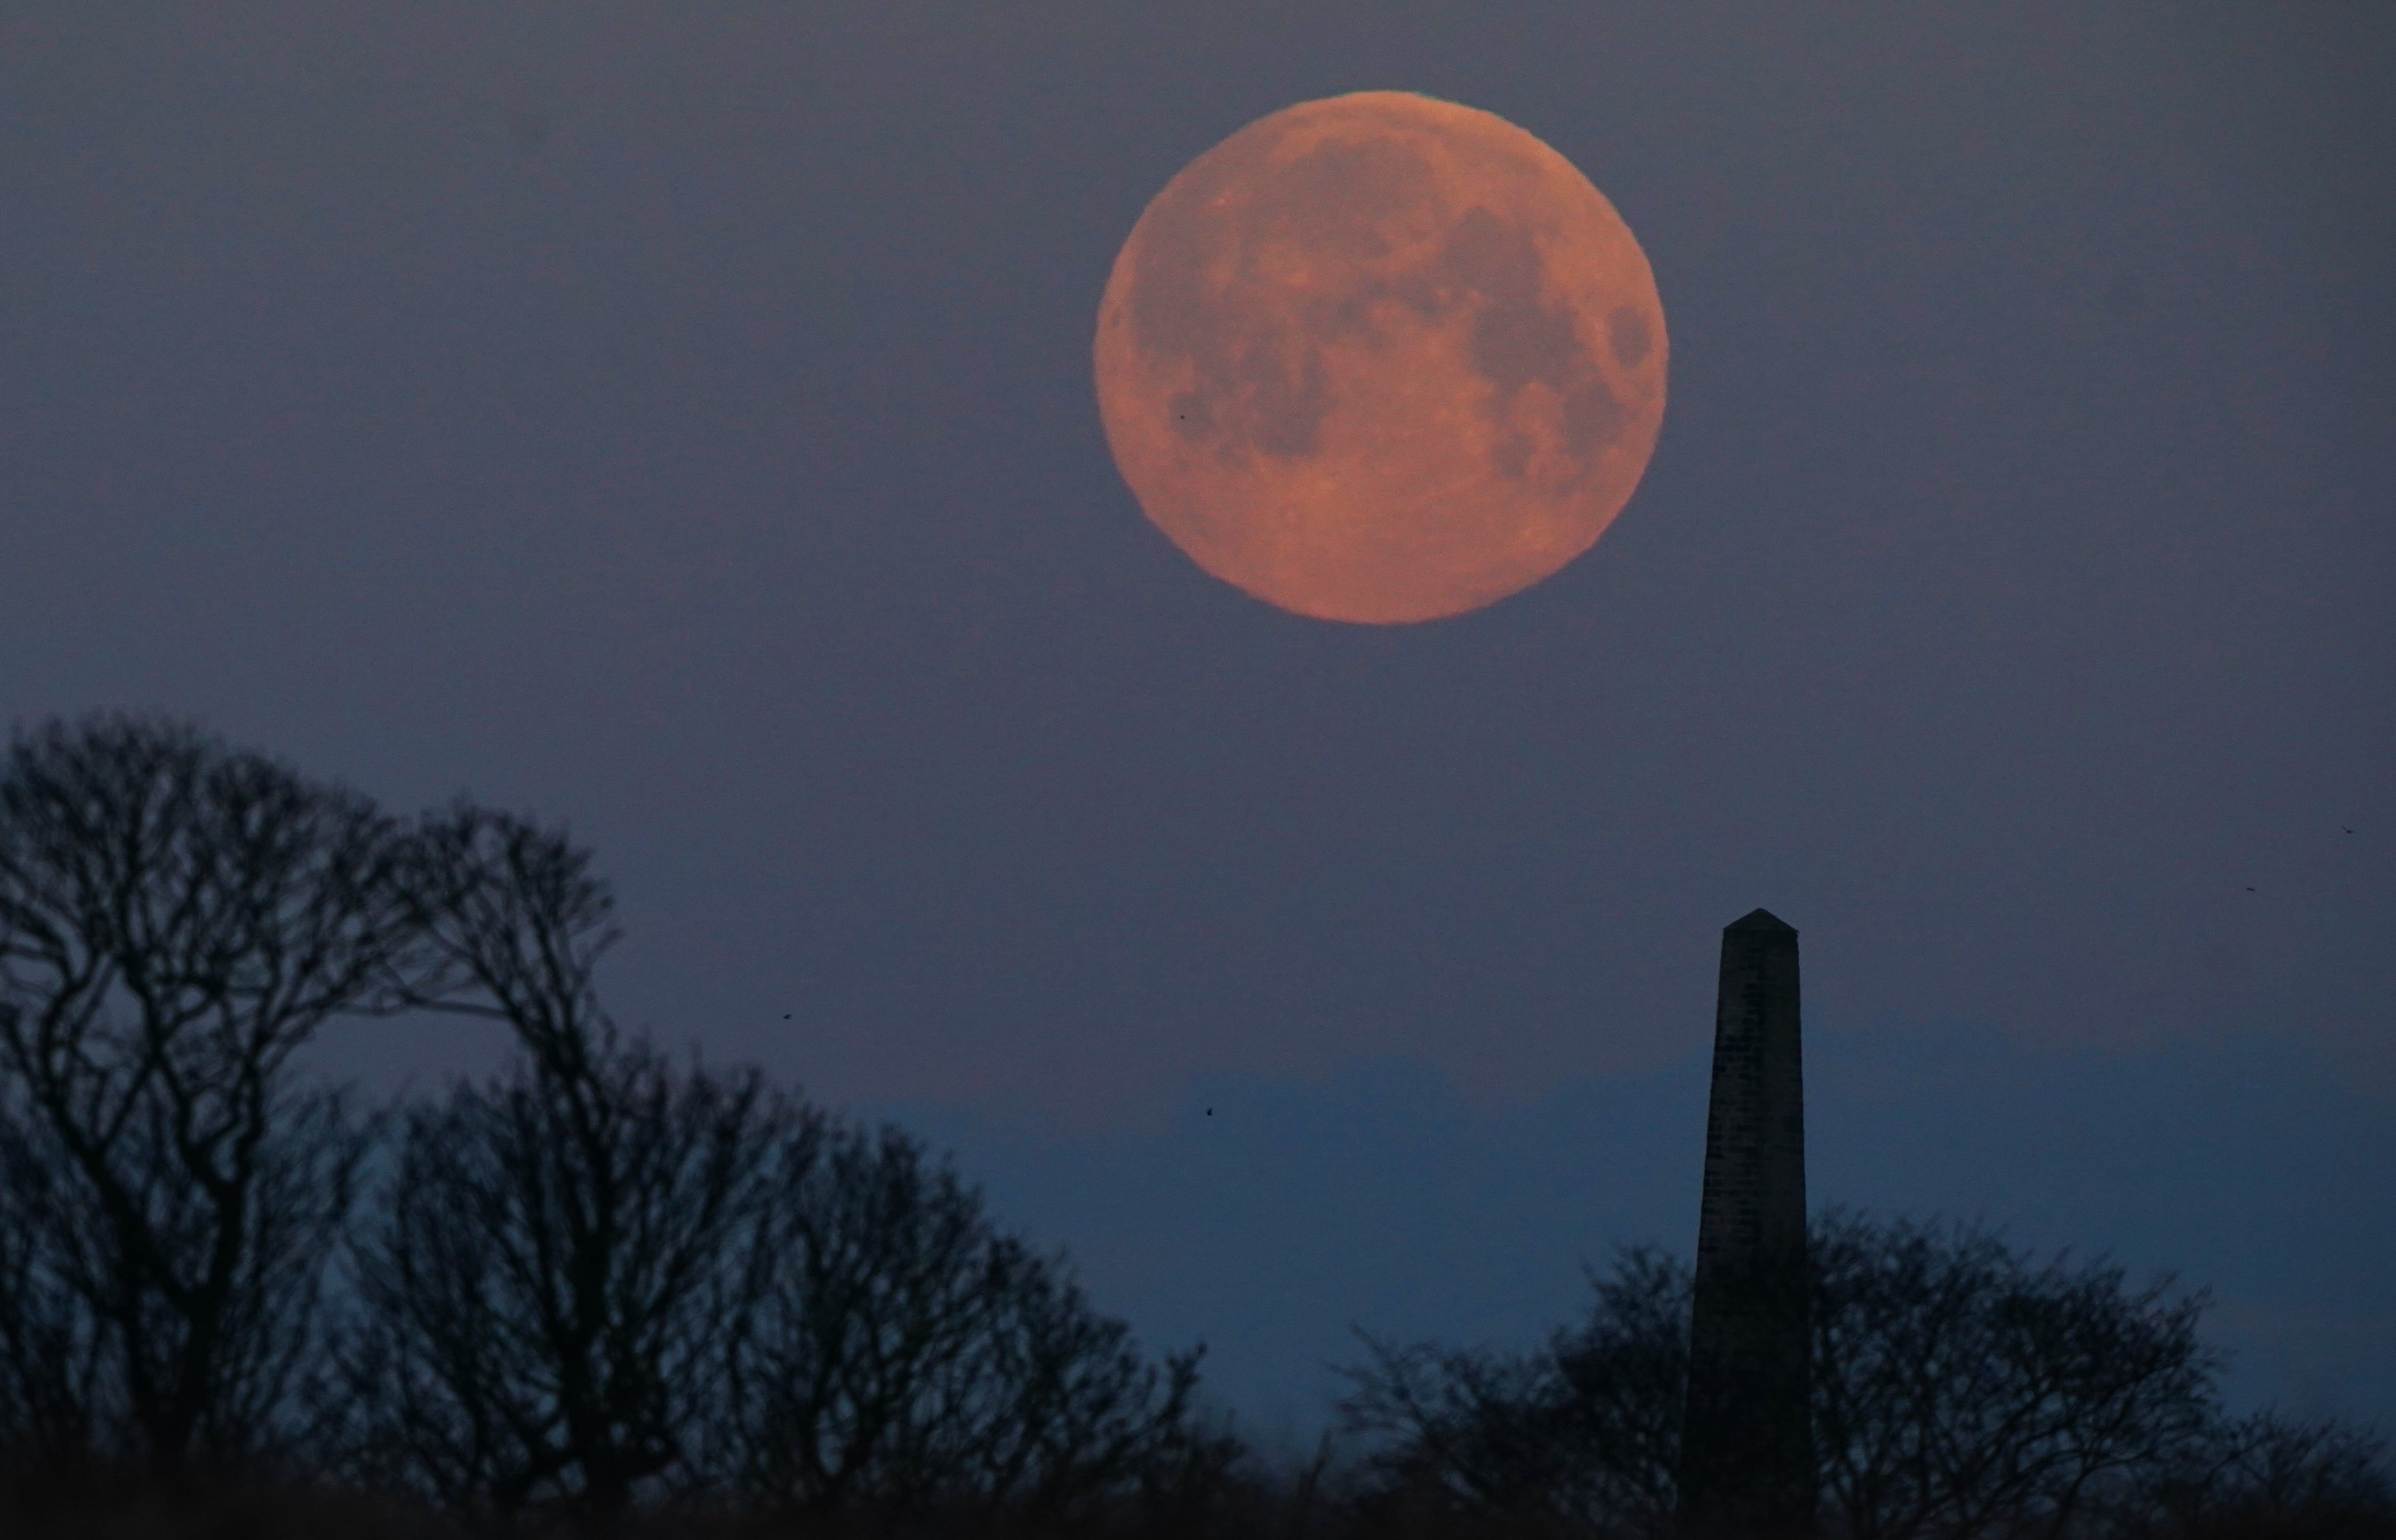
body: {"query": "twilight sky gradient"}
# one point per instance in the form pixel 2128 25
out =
pixel 677 421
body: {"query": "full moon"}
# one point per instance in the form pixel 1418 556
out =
pixel 1381 358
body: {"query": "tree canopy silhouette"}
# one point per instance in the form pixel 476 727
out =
pixel 603 1280
pixel 908 1358
pixel 177 919
pixel 1960 1389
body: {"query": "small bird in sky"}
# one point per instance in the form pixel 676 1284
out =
pixel 786 1016
pixel 1210 1111
pixel 2348 830
pixel 2250 890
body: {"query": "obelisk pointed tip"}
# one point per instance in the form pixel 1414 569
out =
pixel 1761 919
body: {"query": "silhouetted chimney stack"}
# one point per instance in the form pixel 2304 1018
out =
pixel 1747 1459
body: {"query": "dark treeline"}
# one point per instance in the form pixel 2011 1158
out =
pixel 1960 1389
pixel 611 1289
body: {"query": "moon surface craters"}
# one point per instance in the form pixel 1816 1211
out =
pixel 1627 334
pixel 1520 338
pixel 1232 286
pixel 1259 271
pixel 1380 358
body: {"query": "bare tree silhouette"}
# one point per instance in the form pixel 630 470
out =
pixel 1964 1390
pixel 553 1276
pixel 1581 1438
pixel 907 1357
pixel 601 1281
pixel 1959 1390
pixel 550 1287
pixel 2269 1474
pixel 176 919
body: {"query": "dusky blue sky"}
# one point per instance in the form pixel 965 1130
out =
pixel 676 420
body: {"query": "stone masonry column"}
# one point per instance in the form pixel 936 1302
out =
pixel 1747 1459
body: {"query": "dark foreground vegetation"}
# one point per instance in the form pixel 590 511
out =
pixel 608 1290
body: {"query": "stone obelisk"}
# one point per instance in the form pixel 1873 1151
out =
pixel 1746 1461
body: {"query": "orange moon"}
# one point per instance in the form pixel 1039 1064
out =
pixel 1381 358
